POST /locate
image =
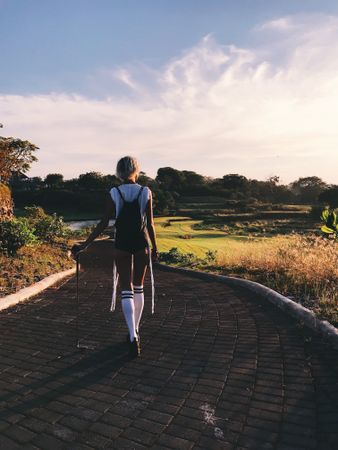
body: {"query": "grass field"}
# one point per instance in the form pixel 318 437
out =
pixel 304 267
pixel 181 234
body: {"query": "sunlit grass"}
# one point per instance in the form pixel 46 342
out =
pixel 180 234
pixel 302 267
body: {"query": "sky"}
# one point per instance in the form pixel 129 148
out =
pixel 217 87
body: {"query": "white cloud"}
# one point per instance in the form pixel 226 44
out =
pixel 280 24
pixel 216 109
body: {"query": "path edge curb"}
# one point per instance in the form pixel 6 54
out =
pixel 34 289
pixel 299 312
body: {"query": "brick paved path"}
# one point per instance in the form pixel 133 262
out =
pixel 219 369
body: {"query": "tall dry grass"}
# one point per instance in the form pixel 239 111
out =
pixel 305 268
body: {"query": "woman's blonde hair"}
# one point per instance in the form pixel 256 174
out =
pixel 126 167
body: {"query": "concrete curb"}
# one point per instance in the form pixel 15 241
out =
pixel 299 312
pixel 36 288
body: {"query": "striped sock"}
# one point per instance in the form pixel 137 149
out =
pixel 129 312
pixel 139 303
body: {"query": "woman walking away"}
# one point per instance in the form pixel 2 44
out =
pixel 131 205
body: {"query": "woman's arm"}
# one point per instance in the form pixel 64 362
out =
pixel 150 224
pixel 109 213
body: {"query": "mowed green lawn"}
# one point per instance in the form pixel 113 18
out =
pixel 199 242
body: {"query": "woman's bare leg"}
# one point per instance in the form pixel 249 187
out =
pixel 124 267
pixel 141 260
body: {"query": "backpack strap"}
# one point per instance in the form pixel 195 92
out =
pixel 120 193
pixel 139 193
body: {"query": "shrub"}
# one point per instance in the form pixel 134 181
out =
pixel 14 234
pixel 34 213
pixel 166 224
pixel 46 227
pixel 175 256
pixel 210 256
pixel 49 228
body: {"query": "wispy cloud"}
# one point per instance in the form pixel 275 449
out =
pixel 280 24
pixel 268 109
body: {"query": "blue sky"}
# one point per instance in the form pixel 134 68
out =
pixel 89 81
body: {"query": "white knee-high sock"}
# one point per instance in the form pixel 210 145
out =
pixel 129 312
pixel 139 303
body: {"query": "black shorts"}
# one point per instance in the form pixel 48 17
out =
pixel 131 245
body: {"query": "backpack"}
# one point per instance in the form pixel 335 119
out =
pixel 129 222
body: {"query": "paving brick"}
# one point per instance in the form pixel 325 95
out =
pixel 127 444
pixel 8 444
pixel 13 417
pixel 160 447
pixel 74 423
pixel 19 434
pixel 272 407
pixel 45 415
pixel 281 446
pixel 300 441
pixel 4 425
pixel 257 396
pixel 183 432
pixel 62 432
pixel 213 444
pixel 260 434
pixel 174 442
pixel 75 446
pixel 297 429
pixel 265 414
pixel 189 422
pixel 165 408
pixel 254 444
pixel 220 368
pixel 140 436
pixel 30 447
pixel 116 420
pixel 263 424
pixel 45 441
pixel 105 430
pixel 157 416
pixel 85 414
pixel 149 425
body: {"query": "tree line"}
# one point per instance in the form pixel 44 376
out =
pixel 169 187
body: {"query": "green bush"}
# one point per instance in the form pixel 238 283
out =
pixel 49 228
pixel 166 224
pixel 210 256
pixel 175 256
pixel 14 234
pixel 34 213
